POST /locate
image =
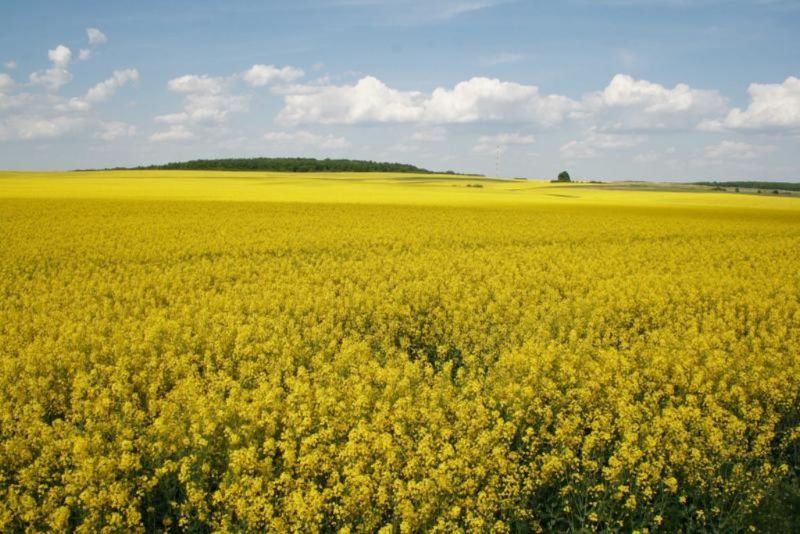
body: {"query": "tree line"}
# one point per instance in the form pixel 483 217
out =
pixel 785 186
pixel 287 165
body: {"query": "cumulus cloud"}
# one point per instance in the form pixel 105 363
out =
pixel 261 75
pixel 307 139
pixel 110 131
pixel 477 99
pixel 206 108
pixel 106 89
pixel 34 116
pixel 192 83
pixel 52 79
pixel 84 54
pixel 207 100
pixel 58 75
pixel 491 99
pixel 624 104
pixel 628 103
pixel 369 100
pixel 10 64
pixel 73 104
pixel 771 106
pixel 96 37
pixel 46 115
pixel 101 92
pixel 172 118
pixel 6 82
pixel 60 56
pixel 489 143
pixel 30 127
pixel 736 150
pixel 594 143
pixel 177 132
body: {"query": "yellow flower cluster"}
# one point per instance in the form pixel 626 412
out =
pixel 307 367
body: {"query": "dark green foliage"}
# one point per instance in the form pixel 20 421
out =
pixel 563 176
pixel 780 511
pixel 287 165
pixel 784 186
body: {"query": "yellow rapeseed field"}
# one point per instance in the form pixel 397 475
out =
pixel 358 353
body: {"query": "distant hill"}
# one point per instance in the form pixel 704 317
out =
pixel 288 165
pixel 781 186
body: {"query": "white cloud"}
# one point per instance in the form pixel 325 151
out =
pixel 577 150
pixel 206 108
pixel 95 36
pixel 100 92
pixel 477 99
pixel 594 143
pixel 627 103
pixel 727 150
pixel 58 75
pixel 84 54
pixel 10 64
pixel 177 132
pixel 32 103
pixel 624 104
pixel 771 106
pixel 213 108
pixel 39 127
pixel 207 100
pixel 624 90
pixel 305 138
pixel 192 83
pixel 489 143
pixel 74 104
pixel 261 75
pixel 110 131
pixel 106 89
pixel 481 99
pixel 172 118
pixel 6 82
pixel 369 100
pixel 52 79
pixel 60 56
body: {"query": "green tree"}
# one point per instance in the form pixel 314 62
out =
pixel 563 176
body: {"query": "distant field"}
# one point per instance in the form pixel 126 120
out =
pixel 370 188
pixel 208 351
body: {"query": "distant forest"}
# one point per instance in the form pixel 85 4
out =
pixel 785 186
pixel 288 165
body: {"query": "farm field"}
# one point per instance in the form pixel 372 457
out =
pixel 209 351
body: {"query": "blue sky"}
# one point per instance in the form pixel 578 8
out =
pixel 609 89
